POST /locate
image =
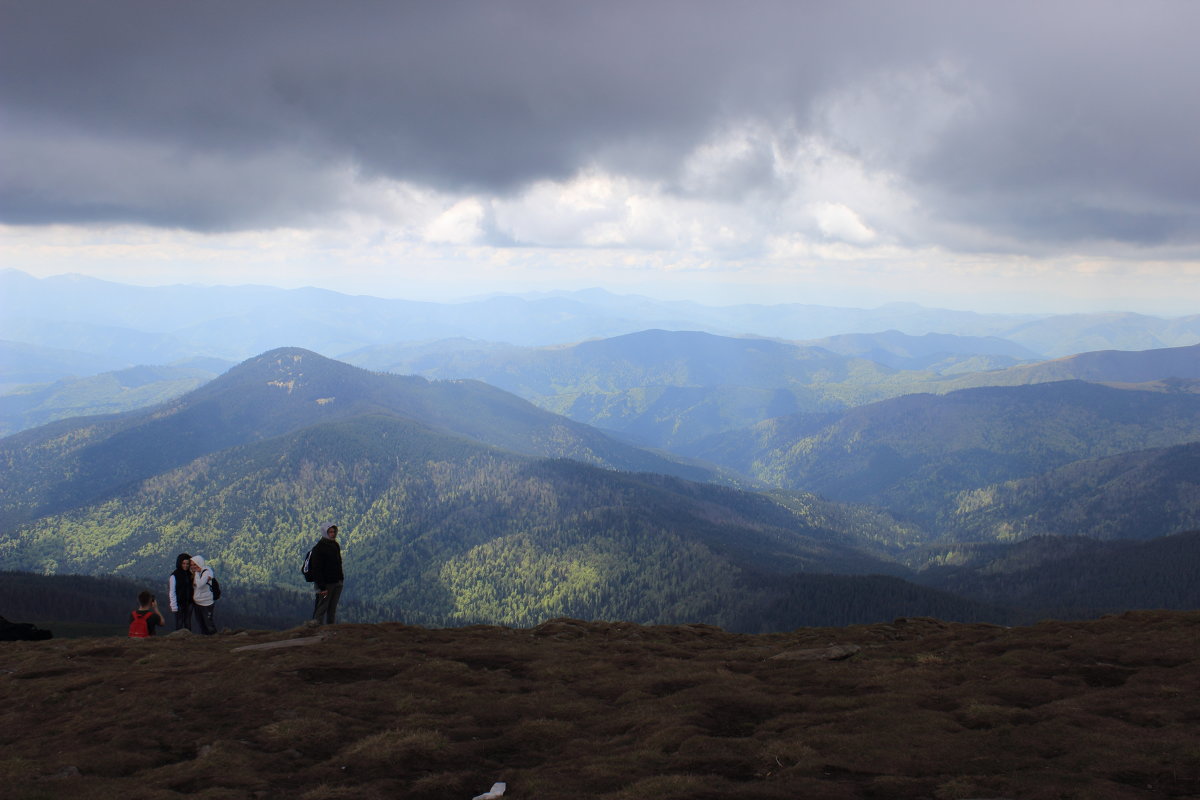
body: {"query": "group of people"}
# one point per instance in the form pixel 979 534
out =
pixel 190 594
pixel 190 591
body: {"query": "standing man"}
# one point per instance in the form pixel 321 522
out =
pixel 179 591
pixel 326 566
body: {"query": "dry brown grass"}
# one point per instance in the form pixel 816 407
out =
pixel 1103 710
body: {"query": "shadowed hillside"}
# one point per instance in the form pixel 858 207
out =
pixel 1070 577
pixel 909 710
pixel 1138 495
pixel 914 455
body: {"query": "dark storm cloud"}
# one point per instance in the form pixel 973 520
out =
pixel 1070 121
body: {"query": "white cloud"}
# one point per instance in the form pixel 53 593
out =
pixel 838 221
pixel 462 223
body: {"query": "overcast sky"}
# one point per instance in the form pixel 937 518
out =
pixel 1027 156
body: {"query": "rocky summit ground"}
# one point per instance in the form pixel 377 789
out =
pixel 916 708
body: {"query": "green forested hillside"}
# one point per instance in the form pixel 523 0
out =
pixel 445 530
pixel 1140 495
pixel 914 455
pixel 75 462
pixel 452 513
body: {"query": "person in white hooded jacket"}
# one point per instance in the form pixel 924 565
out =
pixel 202 596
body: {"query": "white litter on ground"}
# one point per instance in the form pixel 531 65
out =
pixel 496 791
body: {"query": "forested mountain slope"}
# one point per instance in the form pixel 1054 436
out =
pixel 1140 495
pixel 913 455
pixel 75 462
pixel 439 529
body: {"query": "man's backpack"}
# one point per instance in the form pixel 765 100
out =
pixel 138 627
pixel 216 589
pixel 306 569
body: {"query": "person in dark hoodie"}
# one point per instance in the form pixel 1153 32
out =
pixel 326 566
pixel 179 591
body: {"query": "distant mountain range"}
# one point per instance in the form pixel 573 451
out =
pixel 131 325
pixel 1105 366
pixel 619 457
pixel 661 388
pixel 105 393
pixel 664 389
pixel 670 389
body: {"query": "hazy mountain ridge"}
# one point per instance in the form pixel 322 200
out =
pixel 237 322
pixel 930 351
pixel 660 387
pixel 23 364
pixel 1105 366
pixel 672 388
pixel 105 393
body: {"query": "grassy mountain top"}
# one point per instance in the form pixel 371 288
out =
pixel 911 709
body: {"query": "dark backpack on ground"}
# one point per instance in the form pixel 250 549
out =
pixel 306 569
pixel 22 632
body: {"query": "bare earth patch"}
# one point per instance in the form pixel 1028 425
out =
pixel 1106 709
